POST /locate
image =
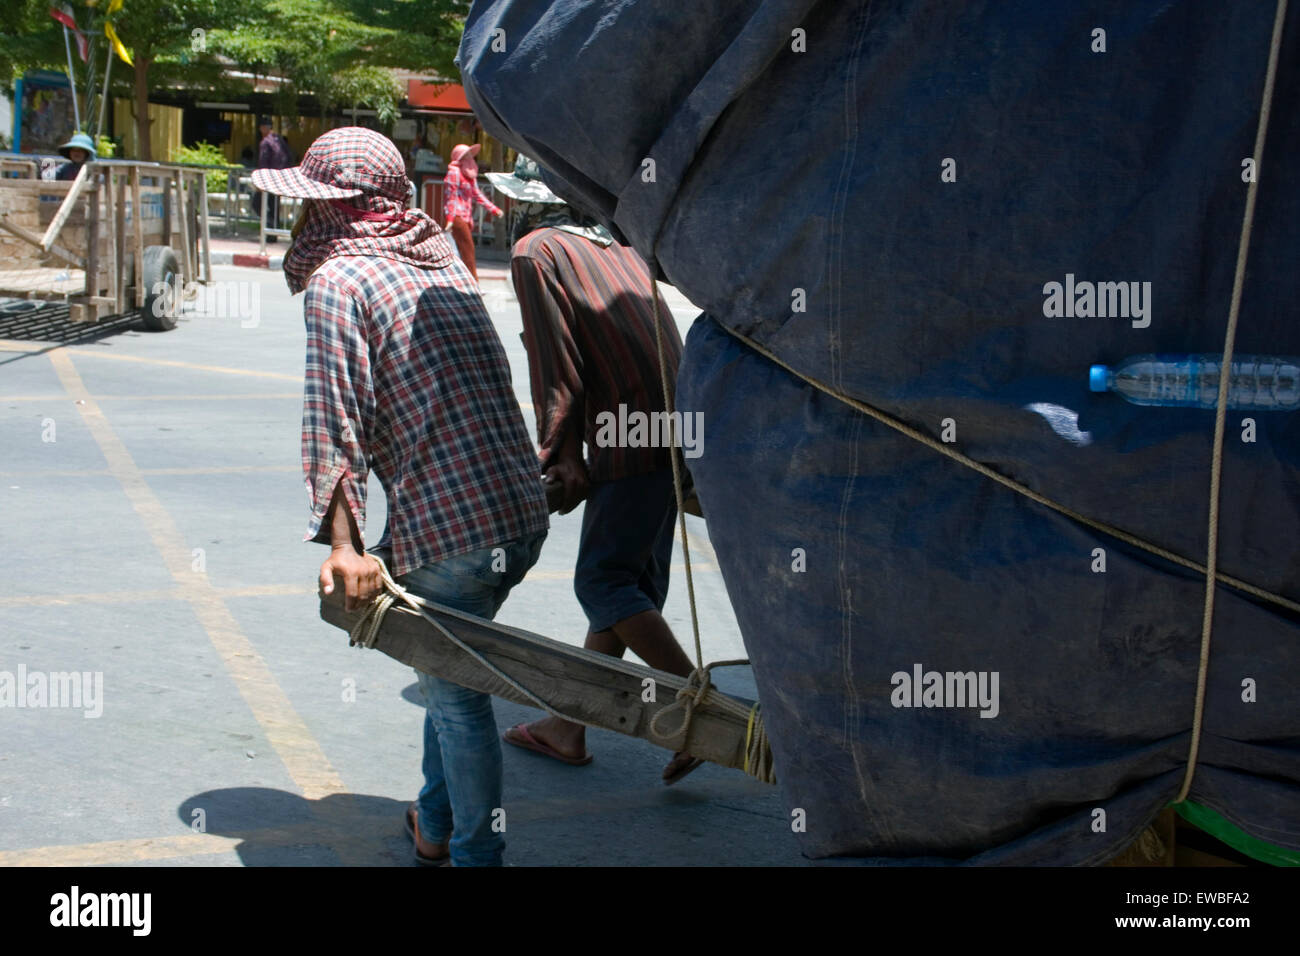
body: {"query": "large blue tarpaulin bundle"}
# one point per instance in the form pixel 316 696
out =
pixel 881 194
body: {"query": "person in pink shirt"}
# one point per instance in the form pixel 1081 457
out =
pixel 460 193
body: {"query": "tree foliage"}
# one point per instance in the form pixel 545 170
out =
pixel 341 51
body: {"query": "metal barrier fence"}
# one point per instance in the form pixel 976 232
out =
pixel 241 204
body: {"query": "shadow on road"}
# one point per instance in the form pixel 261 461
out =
pixel 277 828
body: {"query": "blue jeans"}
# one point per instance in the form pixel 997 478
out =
pixel 462 754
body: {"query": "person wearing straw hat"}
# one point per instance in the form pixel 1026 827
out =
pixel 78 150
pixel 405 374
pixel 460 192
pixel 589 329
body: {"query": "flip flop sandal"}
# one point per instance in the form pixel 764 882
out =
pixel 695 763
pixel 408 818
pixel 526 741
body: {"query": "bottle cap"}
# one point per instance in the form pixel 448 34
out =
pixel 1099 378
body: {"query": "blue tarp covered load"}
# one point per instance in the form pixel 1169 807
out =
pixel 881 195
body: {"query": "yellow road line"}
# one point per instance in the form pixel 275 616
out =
pixel 12 345
pixel 211 397
pixel 98 597
pixel 198 470
pixel 224 470
pixel 56 473
pixel 260 590
pixel 302 756
pixel 157 594
pixel 120 851
pixel 173 363
pixel 702 544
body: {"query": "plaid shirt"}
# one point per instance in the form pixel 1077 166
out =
pixel 590 334
pixel 459 193
pixel 405 372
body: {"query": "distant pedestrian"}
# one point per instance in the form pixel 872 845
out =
pixel 460 193
pixel 77 150
pixel 273 152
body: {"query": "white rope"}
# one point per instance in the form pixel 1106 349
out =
pixel 366 631
pixel 1221 410
pixel 698 690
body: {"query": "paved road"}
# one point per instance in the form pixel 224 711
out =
pixel 153 510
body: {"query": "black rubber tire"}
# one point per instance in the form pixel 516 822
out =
pixel 161 308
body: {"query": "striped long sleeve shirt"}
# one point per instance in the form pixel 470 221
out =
pixel 589 330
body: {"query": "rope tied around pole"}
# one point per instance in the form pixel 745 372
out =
pixel 365 633
pixel 695 693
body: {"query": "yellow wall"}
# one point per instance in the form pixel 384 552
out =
pixel 300 133
pixel 164 131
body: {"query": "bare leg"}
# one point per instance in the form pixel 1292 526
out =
pixel 652 640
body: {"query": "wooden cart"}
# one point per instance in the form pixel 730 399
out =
pixel 122 236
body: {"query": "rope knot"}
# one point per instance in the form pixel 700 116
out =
pixel 691 695
pixel 366 631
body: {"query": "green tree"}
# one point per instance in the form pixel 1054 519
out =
pixel 343 51
pixel 157 33
pixel 29 40
pixel 155 30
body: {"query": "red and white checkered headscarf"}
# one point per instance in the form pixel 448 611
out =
pixel 358 183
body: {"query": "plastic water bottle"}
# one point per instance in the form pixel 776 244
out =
pixel 1261 383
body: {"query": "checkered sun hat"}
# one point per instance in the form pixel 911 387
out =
pixel 341 164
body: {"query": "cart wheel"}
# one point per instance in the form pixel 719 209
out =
pixel 159 273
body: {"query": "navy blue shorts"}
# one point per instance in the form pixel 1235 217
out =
pixel 626 548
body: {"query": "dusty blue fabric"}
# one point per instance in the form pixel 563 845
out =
pixel 786 179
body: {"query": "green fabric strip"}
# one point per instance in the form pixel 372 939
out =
pixel 1224 830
